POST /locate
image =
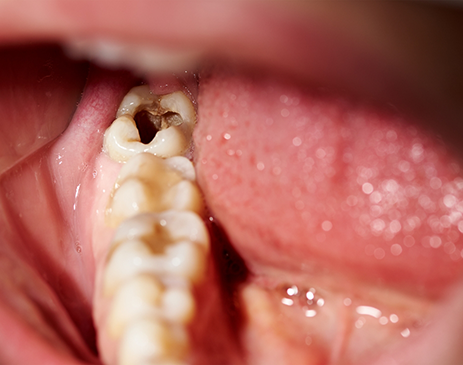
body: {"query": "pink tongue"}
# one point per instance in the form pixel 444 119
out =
pixel 302 180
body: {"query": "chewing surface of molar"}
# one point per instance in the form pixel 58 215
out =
pixel 172 116
pixel 147 183
pixel 152 341
pixel 145 296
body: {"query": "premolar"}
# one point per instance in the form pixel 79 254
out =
pixel 172 117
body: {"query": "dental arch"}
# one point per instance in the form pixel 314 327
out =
pixel 160 246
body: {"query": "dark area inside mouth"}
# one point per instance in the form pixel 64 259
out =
pixel 148 125
pixel 233 273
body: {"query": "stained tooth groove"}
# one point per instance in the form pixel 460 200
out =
pixel 147 183
pixel 173 116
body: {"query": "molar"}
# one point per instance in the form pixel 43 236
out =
pixel 144 295
pixel 147 183
pixel 172 118
pixel 152 341
pixel 172 246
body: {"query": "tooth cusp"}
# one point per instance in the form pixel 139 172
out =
pixel 147 183
pixel 151 340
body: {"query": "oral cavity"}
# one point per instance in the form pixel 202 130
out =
pixel 144 299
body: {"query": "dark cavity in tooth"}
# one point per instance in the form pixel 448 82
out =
pixel 149 123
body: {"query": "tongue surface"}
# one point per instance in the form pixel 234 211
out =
pixel 302 180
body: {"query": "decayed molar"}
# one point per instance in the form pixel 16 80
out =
pixel 168 120
pixel 147 183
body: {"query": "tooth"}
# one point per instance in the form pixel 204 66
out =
pixel 122 141
pixel 173 117
pixel 178 305
pixel 144 58
pixel 171 225
pixel 170 245
pixel 183 166
pixel 180 261
pixel 138 98
pixel 144 295
pixel 152 341
pixel 127 261
pixel 136 298
pixel 147 183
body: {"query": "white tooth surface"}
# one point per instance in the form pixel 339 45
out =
pixel 137 227
pixel 126 261
pixel 131 198
pixel 150 340
pixel 145 58
pixel 147 167
pixel 136 99
pixel 183 165
pixel 136 298
pixel 122 141
pixel 147 183
pixel 186 260
pixel 184 196
pixel 178 305
pixel 185 226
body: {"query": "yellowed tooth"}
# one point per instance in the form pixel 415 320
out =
pixel 171 226
pixel 152 341
pixel 144 295
pixel 147 183
pixel 178 305
pixel 173 117
pixel 136 298
pixel 173 263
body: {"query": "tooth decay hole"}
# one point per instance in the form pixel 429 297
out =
pixel 148 124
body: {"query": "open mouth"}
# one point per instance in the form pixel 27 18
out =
pixel 157 209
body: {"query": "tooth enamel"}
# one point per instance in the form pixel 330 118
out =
pixel 183 166
pixel 136 298
pixel 147 183
pixel 178 305
pixel 145 58
pixel 182 260
pixel 138 98
pixel 122 139
pixel 171 225
pixel 152 341
pixel 144 296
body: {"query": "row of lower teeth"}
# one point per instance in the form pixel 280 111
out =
pixel 160 246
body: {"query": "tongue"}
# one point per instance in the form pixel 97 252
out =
pixel 305 181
